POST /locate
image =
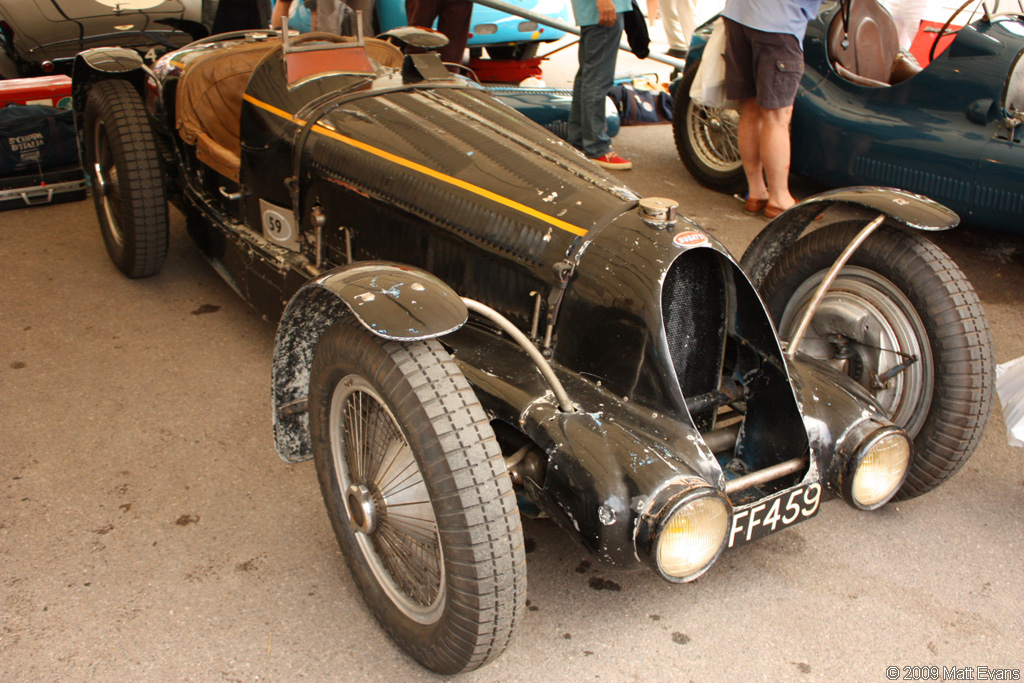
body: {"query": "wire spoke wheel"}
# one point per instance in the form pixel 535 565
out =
pixel 386 499
pixel 418 495
pixel 714 136
pixel 707 139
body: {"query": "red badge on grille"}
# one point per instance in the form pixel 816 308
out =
pixel 690 238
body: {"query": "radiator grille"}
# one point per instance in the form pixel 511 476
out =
pixel 694 307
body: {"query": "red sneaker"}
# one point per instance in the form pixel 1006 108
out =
pixel 613 161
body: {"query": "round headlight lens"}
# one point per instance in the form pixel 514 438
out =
pixel 692 537
pixel 881 470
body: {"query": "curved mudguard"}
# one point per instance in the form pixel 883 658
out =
pixel 99 64
pixel 104 62
pixel 392 301
pixel 906 208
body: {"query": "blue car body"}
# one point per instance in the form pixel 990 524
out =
pixel 948 132
pixel 488 27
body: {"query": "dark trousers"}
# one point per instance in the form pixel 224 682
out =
pixel 588 125
pixel 452 20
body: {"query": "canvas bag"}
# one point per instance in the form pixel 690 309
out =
pixel 35 137
pixel 641 102
pixel 708 86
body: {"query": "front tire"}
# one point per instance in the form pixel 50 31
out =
pixel 898 296
pixel 706 139
pixel 417 492
pixel 122 160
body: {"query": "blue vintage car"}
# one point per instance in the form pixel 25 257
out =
pixel 868 114
pixel 505 36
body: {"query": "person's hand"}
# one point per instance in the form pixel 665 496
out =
pixel 653 11
pixel 606 12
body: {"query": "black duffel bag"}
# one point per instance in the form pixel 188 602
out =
pixel 34 137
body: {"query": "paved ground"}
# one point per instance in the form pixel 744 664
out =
pixel 148 531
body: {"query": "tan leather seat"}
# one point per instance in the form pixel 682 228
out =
pixel 384 53
pixel 209 104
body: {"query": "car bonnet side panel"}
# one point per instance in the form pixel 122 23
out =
pixel 449 180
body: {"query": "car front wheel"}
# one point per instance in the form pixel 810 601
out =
pixel 903 320
pixel 417 492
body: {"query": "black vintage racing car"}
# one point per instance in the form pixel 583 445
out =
pixel 476 322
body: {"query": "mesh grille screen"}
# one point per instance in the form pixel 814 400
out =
pixel 694 306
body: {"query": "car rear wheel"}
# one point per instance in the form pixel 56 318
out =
pixel 417 492
pixel 122 160
pixel 901 319
pixel 706 139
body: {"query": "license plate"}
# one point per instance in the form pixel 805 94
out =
pixel 768 515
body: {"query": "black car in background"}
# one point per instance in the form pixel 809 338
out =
pixel 40 37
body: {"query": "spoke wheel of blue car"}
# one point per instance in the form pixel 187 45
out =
pixel 123 163
pixel 706 139
pixel 417 492
pixel 901 319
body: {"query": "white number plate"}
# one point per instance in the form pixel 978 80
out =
pixel 279 225
pixel 768 515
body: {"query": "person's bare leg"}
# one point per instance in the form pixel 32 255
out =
pixel 775 154
pixel 749 140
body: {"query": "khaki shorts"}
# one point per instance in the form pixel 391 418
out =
pixel 767 66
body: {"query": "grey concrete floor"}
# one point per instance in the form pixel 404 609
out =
pixel 148 531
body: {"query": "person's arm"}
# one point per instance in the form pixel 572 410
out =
pixel 606 12
pixel 281 8
pixel 653 11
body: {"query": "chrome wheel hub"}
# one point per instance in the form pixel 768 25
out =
pixel 361 509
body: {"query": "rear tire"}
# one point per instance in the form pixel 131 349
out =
pixel 123 163
pixel 437 549
pixel 706 140
pixel 917 300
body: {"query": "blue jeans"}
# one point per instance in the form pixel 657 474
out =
pixel 599 48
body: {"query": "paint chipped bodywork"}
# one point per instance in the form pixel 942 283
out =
pixel 406 190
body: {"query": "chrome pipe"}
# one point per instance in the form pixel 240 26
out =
pixel 535 355
pixel 805 321
pixel 764 476
pixel 722 440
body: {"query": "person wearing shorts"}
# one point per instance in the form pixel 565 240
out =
pixel 764 62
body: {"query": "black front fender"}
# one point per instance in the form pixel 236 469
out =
pixel 391 301
pixel 905 208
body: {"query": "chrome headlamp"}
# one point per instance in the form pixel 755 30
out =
pixel 683 530
pixel 876 470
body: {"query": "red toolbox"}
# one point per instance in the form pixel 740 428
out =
pixel 54 91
